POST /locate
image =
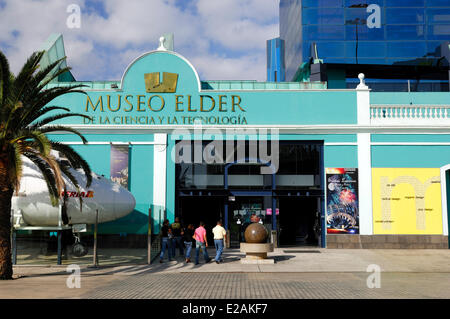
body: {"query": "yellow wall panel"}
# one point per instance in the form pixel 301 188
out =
pixel 406 201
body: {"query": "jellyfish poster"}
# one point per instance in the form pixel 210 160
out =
pixel 119 164
pixel 342 201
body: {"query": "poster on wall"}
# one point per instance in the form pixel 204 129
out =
pixel 342 201
pixel 119 164
pixel 406 201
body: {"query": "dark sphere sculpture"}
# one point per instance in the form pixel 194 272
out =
pixel 255 233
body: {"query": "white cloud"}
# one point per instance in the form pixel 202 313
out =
pixel 225 39
pixel 240 25
pixel 249 67
pixel 33 22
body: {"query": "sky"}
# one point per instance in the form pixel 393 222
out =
pixel 223 39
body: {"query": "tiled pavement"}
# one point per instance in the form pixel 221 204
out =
pixel 297 274
pixel 274 286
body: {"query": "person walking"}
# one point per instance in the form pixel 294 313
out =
pixel 188 237
pixel 201 243
pixel 177 238
pixel 166 235
pixel 220 235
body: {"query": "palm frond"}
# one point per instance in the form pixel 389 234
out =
pixel 53 164
pixel 41 142
pixel 65 169
pixel 42 77
pixel 4 78
pixel 56 117
pixel 48 175
pixel 47 109
pixel 62 128
pixel 43 98
pixel 75 160
pixel 26 117
pixel 22 80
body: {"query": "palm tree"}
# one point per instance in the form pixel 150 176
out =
pixel 25 119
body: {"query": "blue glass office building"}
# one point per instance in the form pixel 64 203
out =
pixel 276 69
pixel 365 31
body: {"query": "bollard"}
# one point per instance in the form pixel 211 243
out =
pixel 228 240
pixel 95 261
pixel 13 240
pixel 59 253
pixel 274 238
pixel 149 237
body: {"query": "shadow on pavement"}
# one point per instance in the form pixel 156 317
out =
pixel 134 262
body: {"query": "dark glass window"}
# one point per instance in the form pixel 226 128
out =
pixel 323 32
pixel 405 32
pixel 407 49
pixel 349 3
pixel 322 3
pixel 405 16
pixel 439 32
pixel 438 3
pixel 323 16
pixel 299 165
pixel 356 15
pixel 432 46
pixel 367 49
pixel 331 49
pixel 306 49
pixel 405 3
pixel 299 159
pixel 438 16
pixel 364 33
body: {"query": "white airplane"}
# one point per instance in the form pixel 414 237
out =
pixel 32 205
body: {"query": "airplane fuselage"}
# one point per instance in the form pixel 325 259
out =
pixel 33 200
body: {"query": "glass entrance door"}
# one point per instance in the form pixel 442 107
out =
pixel 299 221
pixel 244 210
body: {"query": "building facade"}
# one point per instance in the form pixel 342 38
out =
pixel 276 68
pixel 365 31
pixel 330 168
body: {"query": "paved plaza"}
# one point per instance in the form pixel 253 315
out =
pixel 298 273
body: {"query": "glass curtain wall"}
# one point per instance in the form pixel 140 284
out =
pixel 364 31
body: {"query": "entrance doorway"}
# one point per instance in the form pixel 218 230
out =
pixel 192 210
pixel 242 211
pixel 240 188
pixel 299 221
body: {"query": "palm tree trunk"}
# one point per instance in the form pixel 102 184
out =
pixel 6 192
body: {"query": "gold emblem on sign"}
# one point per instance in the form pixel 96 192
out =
pixel 154 85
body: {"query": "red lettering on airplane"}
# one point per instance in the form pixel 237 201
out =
pixel 88 194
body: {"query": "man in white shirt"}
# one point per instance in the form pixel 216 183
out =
pixel 220 235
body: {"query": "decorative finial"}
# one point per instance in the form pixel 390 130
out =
pixel 161 44
pixel 362 84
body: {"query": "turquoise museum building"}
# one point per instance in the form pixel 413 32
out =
pixel 335 168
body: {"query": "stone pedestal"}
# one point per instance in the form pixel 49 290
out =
pixel 256 253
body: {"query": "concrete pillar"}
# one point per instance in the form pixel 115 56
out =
pixel 159 172
pixel 364 160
